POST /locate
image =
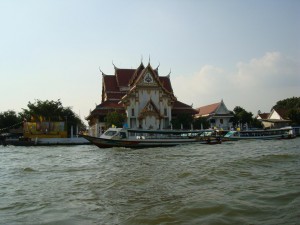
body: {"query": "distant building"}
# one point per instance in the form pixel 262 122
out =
pixel 216 114
pixel 277 118
pixel 44 129
pixel 262 116
pixel 143 95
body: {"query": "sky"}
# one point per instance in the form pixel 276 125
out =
pixel 244 52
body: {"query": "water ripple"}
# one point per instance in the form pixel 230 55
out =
pixel 232 183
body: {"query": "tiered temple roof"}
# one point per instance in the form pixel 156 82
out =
pixel 115 87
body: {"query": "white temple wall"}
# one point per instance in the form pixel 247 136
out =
pixel 143 96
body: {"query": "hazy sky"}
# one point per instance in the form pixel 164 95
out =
pixel 244 52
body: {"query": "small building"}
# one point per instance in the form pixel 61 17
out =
pixel 277 118
pixel 216 114
pixel 262 116
pixel 142 94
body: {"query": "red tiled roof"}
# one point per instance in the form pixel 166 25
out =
pixel 166 83
pixel 283 113
pixel 109 104
pixel 208 109
pixel 123 76
pixel 180 107
pixel 106 107
pixel 264 115
pixel 178 104
pixel 110 83
pixel 115 95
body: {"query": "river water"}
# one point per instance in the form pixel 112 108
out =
pixel 244 182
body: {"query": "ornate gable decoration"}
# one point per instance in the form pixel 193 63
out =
pixel 148 79
pixel 150 109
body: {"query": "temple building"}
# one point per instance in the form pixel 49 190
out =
pixel 143 95
pixel 216 114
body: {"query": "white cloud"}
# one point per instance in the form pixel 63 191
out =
pixel 257 84
pixel 272 70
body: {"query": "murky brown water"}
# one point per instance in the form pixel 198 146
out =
pixel 250 182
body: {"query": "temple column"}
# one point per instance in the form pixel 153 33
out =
pixel 96 129
pixel 136 113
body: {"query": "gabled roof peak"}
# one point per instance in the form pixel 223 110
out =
pixel 114 65
pixel 156 69
pixel 169 74
pixel 102 73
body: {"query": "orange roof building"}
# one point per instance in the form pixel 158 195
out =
pixel 142 94
pixel 217 114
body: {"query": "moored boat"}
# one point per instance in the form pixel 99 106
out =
pixel 138 138
pixel 282 133
pixel 9 139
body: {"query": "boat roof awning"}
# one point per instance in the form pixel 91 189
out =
pixel 275 120
pixel 164 131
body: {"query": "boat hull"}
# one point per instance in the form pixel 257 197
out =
pixel 263 137
pixel 139 143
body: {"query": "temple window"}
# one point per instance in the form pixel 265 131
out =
pixel 165 112
pixel 132 112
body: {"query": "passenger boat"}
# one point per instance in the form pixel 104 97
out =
pixel 283 133
pixel 138 138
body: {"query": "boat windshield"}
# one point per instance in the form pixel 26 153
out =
pixel 207 133
pixel 110 133
pixel 230 133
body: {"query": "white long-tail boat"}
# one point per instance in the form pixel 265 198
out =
pixel 138 138
pixel 267 134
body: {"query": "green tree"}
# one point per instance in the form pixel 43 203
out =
pixel 44 111
pixel 201 123
pixel 71 119
pixel 182 119
pixel 52 111
pixel 292 106
pixel 241 116
pixel 294 115
pixel 288 103
pixel 256 123
pixel 8 119
pixel 114 118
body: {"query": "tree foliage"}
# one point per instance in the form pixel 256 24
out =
pixel 201 123
pixel 241 116
pixel 288 103
pixel 52 111
pixel 292 106
pixel 294 116
pixel 8 119
pixel 114 118
pixel 182 119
